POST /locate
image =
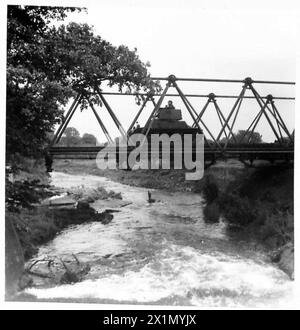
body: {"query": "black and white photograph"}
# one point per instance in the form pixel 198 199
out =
pixel 148 154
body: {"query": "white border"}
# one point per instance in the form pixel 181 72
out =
pixel 270 5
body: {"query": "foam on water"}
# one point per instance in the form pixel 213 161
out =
pixel 195 278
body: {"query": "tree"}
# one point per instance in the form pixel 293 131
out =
pixel 246 137
pixel 242 136
pixel 90 61
pixel 88 139
pixel 46 65
pixel 35 93
pixel 71 132
pixel 72 136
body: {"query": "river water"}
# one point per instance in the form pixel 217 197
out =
pixel 162 253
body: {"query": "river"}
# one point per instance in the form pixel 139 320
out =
pixel 162 253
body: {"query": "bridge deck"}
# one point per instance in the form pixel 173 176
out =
pixel 262 151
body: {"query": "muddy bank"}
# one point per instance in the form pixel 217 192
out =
pixel 171 180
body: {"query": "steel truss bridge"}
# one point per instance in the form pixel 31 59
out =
pixel 224 145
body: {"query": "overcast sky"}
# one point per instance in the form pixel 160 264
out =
pixel 199 39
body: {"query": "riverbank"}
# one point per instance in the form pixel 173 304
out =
pixel 170 180
pixel 256 202
pixel 26 229
pixel 260 203
pixel 42 224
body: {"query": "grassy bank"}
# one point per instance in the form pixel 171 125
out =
pixel 40 225
pixel 259 204
pixel 258 200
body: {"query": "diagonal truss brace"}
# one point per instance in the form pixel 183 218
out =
pixel 148 98
pixel 265 110
pixel 212 99
pixel 69 116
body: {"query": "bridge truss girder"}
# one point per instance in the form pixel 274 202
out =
pixel 267 109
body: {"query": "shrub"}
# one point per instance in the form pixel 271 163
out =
pixel 238 210
pixel 210 189
pixel 278 228
pixel 211 212
pixel 26 183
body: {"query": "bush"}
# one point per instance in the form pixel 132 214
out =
pixel 211 212
pixel 23 194
pixel 26 183
pixel 24 231
pixel 278 228
pixel 238 210
pixel 210 189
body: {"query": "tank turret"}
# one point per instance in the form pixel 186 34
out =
pixel 169 120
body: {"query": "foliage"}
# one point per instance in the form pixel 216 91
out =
pixel 237 210
pixel 26 183
pixel 46 65
pixel 89 61
pixel 23 194
pixel 88 139
pixel 242 136
pixel 210 189
pixel 35 93
pixel 71 132
pixel 261 201
pixel 211 212
pixel 278 228
pixel 71 137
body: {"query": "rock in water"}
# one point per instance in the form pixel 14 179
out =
pixel 107 218
pixel 83 205
pixel 286 262
pixel 150 200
